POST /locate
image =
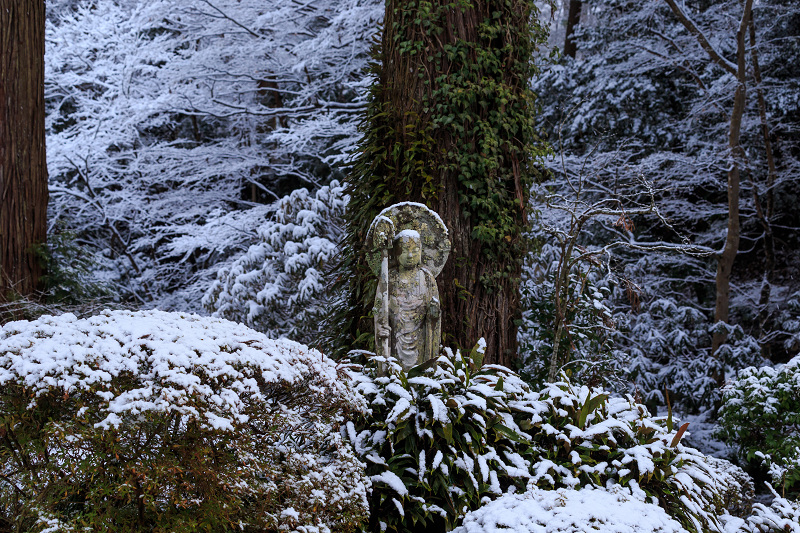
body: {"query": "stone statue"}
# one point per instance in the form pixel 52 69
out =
pixel 408 246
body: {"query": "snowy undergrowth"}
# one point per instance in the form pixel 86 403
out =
pixel 587 510
pixel 781 516
pixel 761 417
pixel 171 422
pixel 451 437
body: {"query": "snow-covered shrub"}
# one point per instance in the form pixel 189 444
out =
pixel 441 439
pixel 450 436
pixel 761 416
pixel 588 510
pixel 788 322
pixel 669 343
pixel 153 421
pixel 277 286
pixel 739 491
pixel 780 516
pixel 584 437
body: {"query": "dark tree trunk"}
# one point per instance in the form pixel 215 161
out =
pixel 736 153
pixel 450 126
pixel 731 247
pixel 764 207
pixel 23 169
pixel 573 19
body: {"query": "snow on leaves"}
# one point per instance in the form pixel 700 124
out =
pixel 468 432
pixel 165 419
pixel 277 286
pixel 761 415
pixel 164 116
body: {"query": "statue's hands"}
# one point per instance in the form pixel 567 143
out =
pixel 383 331
pixel 434 309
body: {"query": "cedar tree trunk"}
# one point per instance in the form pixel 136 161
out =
pixel 450 125
pixel 23 169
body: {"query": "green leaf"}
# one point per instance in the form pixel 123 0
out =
pixel 588 406
pixel 499 385
pixel 477 357
pixel 447 429
pixel 508 432
pixel 418 370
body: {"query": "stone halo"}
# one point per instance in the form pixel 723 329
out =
pixel 414 216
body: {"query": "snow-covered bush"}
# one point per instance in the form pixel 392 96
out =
pixel 584 437
pixel 585 352
pixel 277 286
pixel 153 421
pixel 669 343
pixel 780 516
pixel 448 438
pixel 761 416
pixel 441 439
pixel 588 510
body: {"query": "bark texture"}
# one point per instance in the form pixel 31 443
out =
pixel 450 125
pixel 573 19
pixel 731 247
pixel 470 309
pixel 23 168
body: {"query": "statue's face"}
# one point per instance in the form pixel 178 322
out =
pixel 410 253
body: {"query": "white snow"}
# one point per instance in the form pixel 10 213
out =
pixel 179 362
pixel 391 479
pixel 589 510
pixel 408 234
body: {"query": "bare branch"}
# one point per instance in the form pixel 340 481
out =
pixel 689 24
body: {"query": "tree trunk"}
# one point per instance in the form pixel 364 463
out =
pixel 731 247
pixel 23 169
pixel 573 19
pixel 736 155
pixel 764 208
pixel 450 126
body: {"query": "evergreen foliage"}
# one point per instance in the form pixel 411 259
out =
pixel 780 516
pixel 585 348
pixel 448 437
pixel 761 417
pixel 278 286
pixel 151 421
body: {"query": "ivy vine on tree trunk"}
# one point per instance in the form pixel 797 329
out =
pixel 451 124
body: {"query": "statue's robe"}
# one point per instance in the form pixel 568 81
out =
pixel 415 334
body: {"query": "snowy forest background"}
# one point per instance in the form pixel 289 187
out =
pixel 197 150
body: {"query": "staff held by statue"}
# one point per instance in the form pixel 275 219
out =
pixel 383 231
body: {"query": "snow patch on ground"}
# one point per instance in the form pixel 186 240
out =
pixel 589 510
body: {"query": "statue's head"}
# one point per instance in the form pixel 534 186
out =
pixel 408 247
